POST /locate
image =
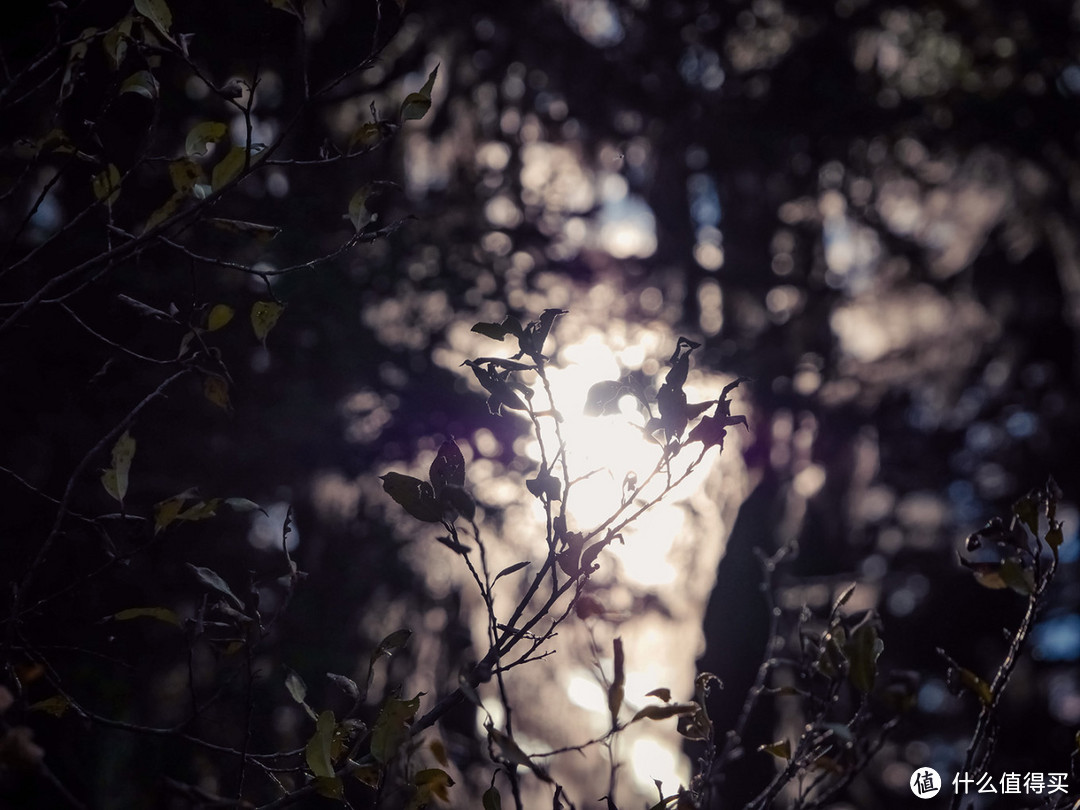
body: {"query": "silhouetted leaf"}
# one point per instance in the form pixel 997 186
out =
pixel 665 711
pixel 545 486
pixel 491 800
pixel 213 580
pixel 448 468
pixel 261 233
pixel 603 397
pixel 863 649
pixel 347 685
pixel 416 105
pixel 392 727
pixel 459 501
pixel 618 682
pixel 416 496
pixel 159 613
pixel 510 569
pixel 663 693
pixel 430 783
pixel 1027 512
pixel 391 644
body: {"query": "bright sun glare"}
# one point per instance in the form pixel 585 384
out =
pixel 602 451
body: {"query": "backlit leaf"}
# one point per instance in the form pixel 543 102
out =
pixel 106 185
pixel 216 389
pixel 56 705
pixel 359 215
pixel 184 173
pixel 230 166
pixel 143 83
pixel 157 12
pixel 264 316
pixel 201 510
pixel 780 750
pixel 166 511
pixel 219 316
pixel 163 213
pixel 159 613
pixel 203 134
pixel 115 479
pixel 416 105
pixel 430 783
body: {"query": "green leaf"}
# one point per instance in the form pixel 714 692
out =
pixel 213 580
pixel 115 479
pixel 219 316
pixel 201 510
pixel 56 705
pixel 115 42
pixel 157 12
pixel 106 185
pixel 366 136
pixel 165 512
pixel 416 105
pixel 264 316
pixel 862 650
pixel 391 644
pixel 392 727
pixel 76 55
pixel 230 166
pixel 491 800
pixel 159 613
pixel 416 496
pixel 330 787
pixel 203 134
pixel 296 686
pixel 318 748
pixel 448 468
pixel 143 83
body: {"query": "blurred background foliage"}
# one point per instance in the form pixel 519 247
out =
pixel 867 207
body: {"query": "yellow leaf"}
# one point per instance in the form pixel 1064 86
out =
pixel 185 173
pixel 780 750
pixel 438 750
pixel 157 12
pixel 201 510
pixel 366 136
pixel 56 705
pixel 230 166
pixel 216 389
pixel 219 316
pixel 163 213
pixel 203 134
pixel 106 185
pixel 115 479
pixel 166 512
pixel 264 315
